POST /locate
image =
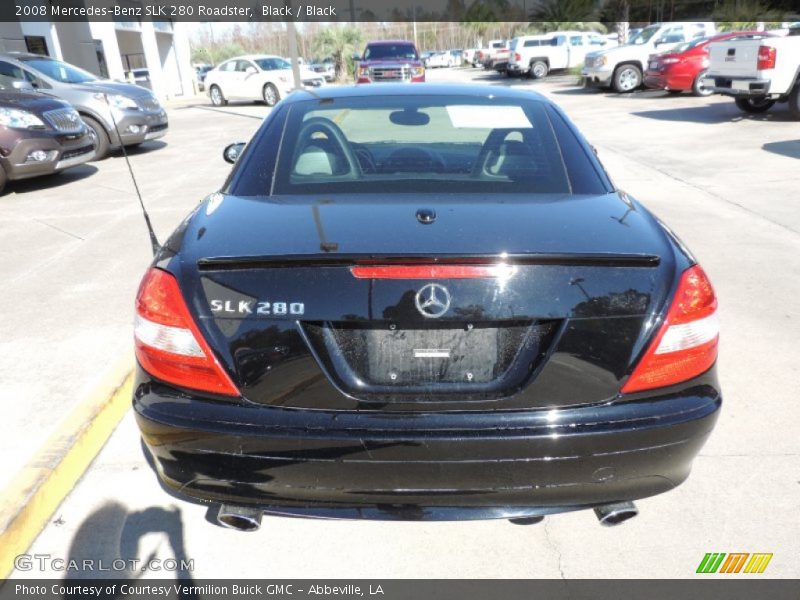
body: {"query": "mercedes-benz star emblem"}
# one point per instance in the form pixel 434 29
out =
pixel 432 300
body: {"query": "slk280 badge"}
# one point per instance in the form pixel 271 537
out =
pixel 252 307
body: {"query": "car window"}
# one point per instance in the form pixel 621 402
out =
pixel 9 73
pixel 418 144
pixel 576 40
pixel 60 71
pixel 389 51
pixel 596 40
pixel 644 35
pixel 672 35
pixel 243 65
pixel 228 66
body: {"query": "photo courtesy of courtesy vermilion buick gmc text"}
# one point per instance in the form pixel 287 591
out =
pixel 424 303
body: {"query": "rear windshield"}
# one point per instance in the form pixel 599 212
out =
pixel 424 144
pixel 387 51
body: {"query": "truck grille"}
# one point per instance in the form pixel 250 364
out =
pixel 390 362
pixel 390 74
pixel 66 120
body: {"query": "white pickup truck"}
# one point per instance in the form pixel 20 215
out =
pixel 757 72
pixel 537 55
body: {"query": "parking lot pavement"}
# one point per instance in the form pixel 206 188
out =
pixel 72 248
pixel 706 177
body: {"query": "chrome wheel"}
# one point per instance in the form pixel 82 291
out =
pixel 270 95
pixel 628 79
pixel 216 96
pixel 698 89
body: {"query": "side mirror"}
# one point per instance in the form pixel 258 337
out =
pixel 22 85
pixel 356 57
pixel 251 70
pixel 233 151
pixel 658 42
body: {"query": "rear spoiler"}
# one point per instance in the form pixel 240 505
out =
pixel 234 263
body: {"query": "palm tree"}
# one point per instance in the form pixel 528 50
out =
pixel 338 43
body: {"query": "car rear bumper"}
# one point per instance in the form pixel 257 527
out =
pixel 738 86
pixel 423 466
pixel 656 81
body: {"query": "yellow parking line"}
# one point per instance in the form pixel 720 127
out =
pixel 340 117
pixel 36 492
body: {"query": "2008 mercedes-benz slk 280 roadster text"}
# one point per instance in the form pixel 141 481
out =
pixel 423 303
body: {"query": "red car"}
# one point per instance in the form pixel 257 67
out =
pixel 683 67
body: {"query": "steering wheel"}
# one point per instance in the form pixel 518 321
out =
pixel 335 135
pixel 490 149
pixel 365 159
pixel 412 160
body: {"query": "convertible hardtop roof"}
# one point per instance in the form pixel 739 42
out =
pixel 422 89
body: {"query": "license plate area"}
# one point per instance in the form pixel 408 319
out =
pixel 389 361
pixel 426 356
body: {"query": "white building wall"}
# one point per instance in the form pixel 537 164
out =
pixel 11 39
pixel 47 31
pixel 106 33
pixel 167 53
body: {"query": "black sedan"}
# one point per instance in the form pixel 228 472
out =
pixel 423 303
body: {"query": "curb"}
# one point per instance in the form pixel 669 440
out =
pixel 42 484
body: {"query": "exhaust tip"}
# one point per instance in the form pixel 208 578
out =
pixel 526 520
pixel 610 515
pixel 239 518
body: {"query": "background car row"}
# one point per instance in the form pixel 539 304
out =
pixel 256 77
pixel 54 115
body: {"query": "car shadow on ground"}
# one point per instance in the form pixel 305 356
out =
pixel 714 113
pixel 108 545
pixel 35 184
pixel 143 148
pixel 577 89
pixel 789 148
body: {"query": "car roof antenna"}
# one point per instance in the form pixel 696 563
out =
pixel 153 239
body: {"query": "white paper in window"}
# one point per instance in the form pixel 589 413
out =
pixel 488 117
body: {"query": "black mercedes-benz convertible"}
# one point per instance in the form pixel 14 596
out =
pixel 423 302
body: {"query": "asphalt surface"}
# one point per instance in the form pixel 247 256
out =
pixel 75 247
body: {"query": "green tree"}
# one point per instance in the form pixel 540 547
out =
pixel 565 11
pixel 338 43
pixel 744 14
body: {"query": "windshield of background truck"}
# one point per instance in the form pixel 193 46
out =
pixel 644 35
pixel 390 51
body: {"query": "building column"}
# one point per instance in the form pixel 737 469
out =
pixel 153 59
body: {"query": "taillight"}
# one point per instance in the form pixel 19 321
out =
pixel 517 57
pixel 499 271
pixel 686 344
pixel 766 57
pixel 169 345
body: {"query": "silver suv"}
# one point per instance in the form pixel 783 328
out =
pixel 107 107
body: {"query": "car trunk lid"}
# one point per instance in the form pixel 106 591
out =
pixel 499 302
